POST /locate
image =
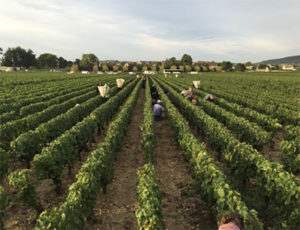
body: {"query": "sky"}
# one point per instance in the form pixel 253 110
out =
pixel 233 30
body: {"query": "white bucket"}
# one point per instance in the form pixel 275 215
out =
pixel 120 82
pixel 196 84
pixel 102 90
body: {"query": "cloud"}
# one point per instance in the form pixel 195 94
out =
pixel 139 29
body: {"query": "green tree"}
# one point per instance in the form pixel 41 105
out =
pixel 105 68
pixel 170 62
pixel 248 63
pixel 154 67
pixel 125 68
pixel 134 69
pixel 95 68
pixel 186 60
pixel 240 67
pixel 262 66
pixel 19 57
pixel 197 68
pixel 115 68
pixel 88 61
pixel 187 68
pixel 62 63
pixel 47 60
pixel 173 67
pixel 145 68
pixel 161 68
pixel 74 68
pixel 181 67
pixel 226 66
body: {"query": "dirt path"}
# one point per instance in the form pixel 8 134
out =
pixel 115 210
pixel 182 206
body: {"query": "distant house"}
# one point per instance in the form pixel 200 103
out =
pixel 288 67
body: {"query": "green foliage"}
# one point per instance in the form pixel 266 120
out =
pixel 62 63
pixel 88 61
pixel 148 133
pixel 20 180
pixel 116 68
pixel 211 180
pixel 186 60
pixel 149 214
pixel 170 62
pixel 95 173
pixel 245 130
pixel 75 68
pixel 226 66
pixel 275 183
pixel 3 205
pixel 290 158
pixel 240 67
pixel 3 164
pixel 18 57
pixel 47 60
pixel 65 149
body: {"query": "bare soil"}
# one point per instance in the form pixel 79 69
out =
pixel 182 205
pixel 116 208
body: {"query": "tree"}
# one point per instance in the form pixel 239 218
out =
pixel 74 68
pixel 125 68
pixel 170 62
pixel 187 68
pixel 173 67
pixel 95 68
pixel 186 60
pixel 105 68
pixel 181 67
pixel 134 69
pixel 77 61
pixel 47 60
pixel 87 61
pixel 226 66
pixel 262 66
pixel 115 68
pixel 197 68
pixel 145 68
pixel 19 57
pixel 240 67
pixel 62 63
pixel 154 67
pixel 1 51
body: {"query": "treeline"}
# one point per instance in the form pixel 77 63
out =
pixel 22 58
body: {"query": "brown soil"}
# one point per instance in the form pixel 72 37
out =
pixel 116 208
pixel 182 206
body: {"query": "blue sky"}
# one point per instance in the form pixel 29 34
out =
pixel 235 30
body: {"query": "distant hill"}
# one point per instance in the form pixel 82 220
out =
pixel 286 60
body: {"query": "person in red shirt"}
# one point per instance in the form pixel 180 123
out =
pixel 232 221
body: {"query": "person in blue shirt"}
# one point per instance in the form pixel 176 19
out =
pixel 157 110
